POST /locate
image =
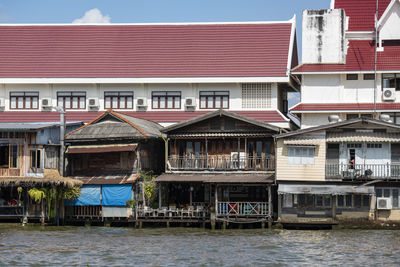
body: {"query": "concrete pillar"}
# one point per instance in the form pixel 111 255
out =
pixel 159 195
pixel 167 224
pixel 372 208
pixel 224 226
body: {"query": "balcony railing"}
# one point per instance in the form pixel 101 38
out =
pixel 363 171
pixel 83 211
pixel 238 209
pixel 220 163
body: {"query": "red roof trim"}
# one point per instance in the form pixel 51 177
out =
pixel 344 106
pixel 156 116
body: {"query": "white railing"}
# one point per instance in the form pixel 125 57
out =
pixel 242 209
pixel 361 171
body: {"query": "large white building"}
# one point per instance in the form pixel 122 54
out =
pixel 338 62
pixel 164 72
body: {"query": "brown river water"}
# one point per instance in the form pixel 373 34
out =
pixel 102 246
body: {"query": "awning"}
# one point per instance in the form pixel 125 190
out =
pixel 324 189
pixel 363 137
pixel 109 179
pixel 101 148
pixel 304 141
pixel 217 178
pixel 211 135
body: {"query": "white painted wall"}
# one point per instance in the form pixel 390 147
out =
pixel 323 36
pixel 335 88
pixel 390 29
pixel 140 90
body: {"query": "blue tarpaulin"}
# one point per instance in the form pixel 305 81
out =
pixel 90 196
pixel 116 194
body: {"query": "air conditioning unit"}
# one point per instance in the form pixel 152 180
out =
pixel 141 102
pixel 389 94
pixel 384 203
pixel 46 103
pixel 93 104
pixel 190 102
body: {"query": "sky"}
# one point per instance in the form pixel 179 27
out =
pixel 149 11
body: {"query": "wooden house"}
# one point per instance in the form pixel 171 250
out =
pixel 107 155
pixel 29 158
pixel 221 164
pixel 339 172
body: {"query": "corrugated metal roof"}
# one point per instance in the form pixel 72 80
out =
pixel 360 57
pixel 363 137
pixel 112 124
pixel 101 148
pixel 119 51
pixel 324 189
pixel 32 126
pixel 344 106
pixel 157 116
pixel 217 178
pixel 305 140
pixel 109 179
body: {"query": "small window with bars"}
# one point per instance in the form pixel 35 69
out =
pixel 166 100
pixel 214 99
pixel 24 100
pixel 354 145
pixel 71 100
pixel 257 95
pixel 374 145
pixel 118 100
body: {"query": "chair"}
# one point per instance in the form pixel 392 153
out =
pixel 147 211
pixel 162 212
pixel 172 211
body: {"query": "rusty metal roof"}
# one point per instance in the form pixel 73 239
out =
pixel 101 148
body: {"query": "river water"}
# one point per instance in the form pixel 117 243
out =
pixel 102 246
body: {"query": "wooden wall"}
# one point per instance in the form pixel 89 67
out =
pixel 286 172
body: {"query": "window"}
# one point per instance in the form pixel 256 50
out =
pixel 8 155
pixel 351 77
pixel 214 99
pixel 369 76
pixel 36 159
pixel 118 100
pixel 256 95
pixel 24 100
pixel 301 155
pixel 354 145
pixel 351 116
pixel 374 145
pixel 71 100
pixel 169 100
pixel 287 200
pixel 391 81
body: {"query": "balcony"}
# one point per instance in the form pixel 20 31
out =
pixel 362 171
pixel 220 163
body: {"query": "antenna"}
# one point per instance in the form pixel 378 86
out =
pixel 375 56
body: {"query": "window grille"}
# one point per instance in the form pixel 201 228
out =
pixel 256 95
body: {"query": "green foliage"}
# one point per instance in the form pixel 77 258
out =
pixel 150 188
pixel 37 194
pixel 131 203
pixel 72 193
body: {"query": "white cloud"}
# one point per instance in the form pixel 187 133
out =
pixel 293 98
pixel 93 16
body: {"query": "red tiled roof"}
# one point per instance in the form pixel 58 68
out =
pixel 344 106
pixel 360 57
pixel 139 51
pixel 362 12
pixel 157 116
